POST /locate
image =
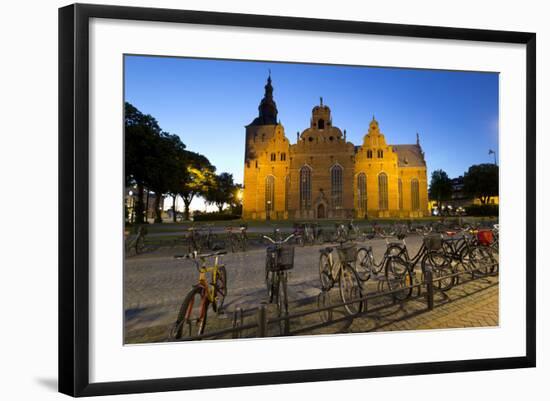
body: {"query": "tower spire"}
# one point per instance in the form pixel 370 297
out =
pixel 417 139
pixel 267 110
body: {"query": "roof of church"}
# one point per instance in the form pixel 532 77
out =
pixel 409 155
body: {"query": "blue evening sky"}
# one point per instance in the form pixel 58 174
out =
pixel 208 103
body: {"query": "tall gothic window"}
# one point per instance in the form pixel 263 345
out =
pixel 415 195
pixel 369 154
pixel 273 157
pixel 382 191
pixel 321 124
pixel 380 153
pixel 362 191
pixel 400 193
pixel 336 185
pixel 305 187
pixel 269 193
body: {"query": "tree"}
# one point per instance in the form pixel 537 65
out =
pixel 441 187
pixel 236 202
pixel 481 181
pixel 166 168
pixel 141 132
pixel 222 191
pixel 200 178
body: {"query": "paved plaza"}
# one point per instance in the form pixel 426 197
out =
pixel 155 284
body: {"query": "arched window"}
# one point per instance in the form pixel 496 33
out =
pixel 305 187
pixel 283 156
pixel 380 153
pixel 382 191
pixel 362 192
pixel 269 193
pixel 287 191
pixel 415 195
pixel 400 193
pixel 369 154
pixel 321 124
pixel 273 157
pixel 336 185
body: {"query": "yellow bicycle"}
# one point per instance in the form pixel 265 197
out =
pixel 211 289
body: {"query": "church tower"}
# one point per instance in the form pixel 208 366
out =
pixel 266 162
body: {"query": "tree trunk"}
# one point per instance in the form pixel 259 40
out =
pixel 174 209
pixel 158 212
pixel 139 205
pixel 147 207
pixel 186 203
pixel 220 207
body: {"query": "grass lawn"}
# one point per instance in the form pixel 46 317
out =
pixel 169 227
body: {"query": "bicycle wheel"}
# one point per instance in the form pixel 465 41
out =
pixel 399 277
pixel 232 242
pixel 325 272
pixel 140 244
pixel 350 289
pixel 494 260
pixel 441 267
pixel 323 300
pixel 363 264
pixel 480 260
pixel 191 319
pixel 282 302
pixel 220 289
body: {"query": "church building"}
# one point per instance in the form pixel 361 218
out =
pixel 323 175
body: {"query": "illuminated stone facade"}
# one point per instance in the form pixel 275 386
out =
pixel 324 176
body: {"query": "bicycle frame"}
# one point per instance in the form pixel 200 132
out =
pixel 209 288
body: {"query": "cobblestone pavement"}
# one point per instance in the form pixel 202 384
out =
pixel 156 283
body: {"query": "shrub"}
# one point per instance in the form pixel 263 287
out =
pixel 482 210
pixel 213 216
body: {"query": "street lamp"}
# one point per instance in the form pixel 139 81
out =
pixel 268 215
pixel 131 206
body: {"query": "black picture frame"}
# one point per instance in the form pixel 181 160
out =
pixel 74 198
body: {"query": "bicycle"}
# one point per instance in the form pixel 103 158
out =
pixel 278 261
pixel 432 255
pixel 343 273
pixel 209 239
pixel 238 240
pixel 194 240
pixel 193 312
pixel 136 241
pixel 390 269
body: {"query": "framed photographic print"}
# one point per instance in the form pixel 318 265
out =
pixel 249 199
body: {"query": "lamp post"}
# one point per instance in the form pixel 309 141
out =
pixel 491 151
pixel 268 215
pixel 131 206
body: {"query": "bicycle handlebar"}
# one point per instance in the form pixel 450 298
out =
pixel 196 255
pixel 278 242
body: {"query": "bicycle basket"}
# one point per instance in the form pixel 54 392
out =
pixel 283 258
pixel 433 242
pixel 485 237
pixel 347 254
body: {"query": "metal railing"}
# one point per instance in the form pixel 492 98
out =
pixel 262 320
